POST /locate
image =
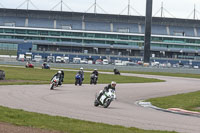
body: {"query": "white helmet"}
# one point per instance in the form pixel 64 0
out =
pixel 59 72
pixel 113 83
pixel 95 69
pixel 81 68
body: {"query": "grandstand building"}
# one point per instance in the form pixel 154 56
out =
pixel 49 32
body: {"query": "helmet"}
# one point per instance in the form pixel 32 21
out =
pixel 81 68
pixel 113 83
pixel 95 69
pixel 59 72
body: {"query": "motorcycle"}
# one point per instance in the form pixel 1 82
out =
pixel 93 79
pixel 45 66
pixel 54 83
pixel 78 79
pixel 105 99
pixel 116 72
pixel 29 65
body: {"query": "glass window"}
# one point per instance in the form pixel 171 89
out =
pixel 33 38
pixel 197 41
pixel 111 36
pixel 77 34
pixel 99 41
pixel 179 40
pixel 9 37
pixel 66 34
pixel 34 47
pixel 100 35
pixel 178 46
pixel 123 37
pixel 53 39
pixel 32 32
pixel 20 37
pixel 77 40
pixel 89 35
pixel 109 42
pixel 65 40
pixel 88 41
pixel 156 39
pixel 9 30
pixel 54 33
pixel 136 38
pixel 20 31
pixel 133 43
pixel 120 43
pixel 43 32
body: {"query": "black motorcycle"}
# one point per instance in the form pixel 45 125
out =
pixel 116 72
pixel 93 79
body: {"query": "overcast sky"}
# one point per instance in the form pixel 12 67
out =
pixel 176 8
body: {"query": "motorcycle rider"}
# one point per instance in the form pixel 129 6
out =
pixel 59 76
pixel 106 88
pixel 44 64
pixel 95 72
pixel 116 71
pixel 62 76
pixel 27 63
pixel 81 73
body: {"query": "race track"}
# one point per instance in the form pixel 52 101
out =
pixel 77 102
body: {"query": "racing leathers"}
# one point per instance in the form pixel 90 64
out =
pixel 106 88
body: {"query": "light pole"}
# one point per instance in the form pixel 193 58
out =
pixel 147 40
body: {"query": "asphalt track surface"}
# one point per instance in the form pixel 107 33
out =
pixel 77 102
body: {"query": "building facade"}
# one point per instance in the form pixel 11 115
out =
pixel 102 34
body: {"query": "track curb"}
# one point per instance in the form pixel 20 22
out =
pixel 170 110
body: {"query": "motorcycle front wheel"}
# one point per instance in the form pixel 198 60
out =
pixel 96 103
pixel 107 103
pixel 52 86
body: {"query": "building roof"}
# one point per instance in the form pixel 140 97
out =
pixel 96 17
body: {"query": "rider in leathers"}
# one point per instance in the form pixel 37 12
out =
pixel 110 86
pixel 59 76
pixel 95 72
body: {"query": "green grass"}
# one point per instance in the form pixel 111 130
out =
pixel 23 118
pixel 186 75
pixel 188 101
pixel 43 76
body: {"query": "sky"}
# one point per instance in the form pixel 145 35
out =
pixel 172 8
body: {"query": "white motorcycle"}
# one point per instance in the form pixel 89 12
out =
pixel 106 98
pixel 54 83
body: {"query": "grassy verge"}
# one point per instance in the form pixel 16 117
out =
pixel 23 118
pixel 42 76
pixel 186 75
pixel 188 101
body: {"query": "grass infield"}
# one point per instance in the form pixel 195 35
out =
pixel 187 101
pixel 20 76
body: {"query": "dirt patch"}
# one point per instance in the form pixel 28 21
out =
pixel 8 128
